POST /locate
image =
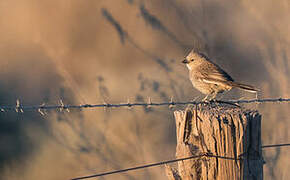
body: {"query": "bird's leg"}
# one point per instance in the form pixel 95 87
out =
pixel 219 96
pixel 213 96
pixel 193 100
pixel 197 97
pixel 205 98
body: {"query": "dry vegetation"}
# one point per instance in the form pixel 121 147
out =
pixel 114 50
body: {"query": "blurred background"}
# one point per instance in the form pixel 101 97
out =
pixel 118 50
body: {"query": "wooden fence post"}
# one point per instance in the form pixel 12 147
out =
pixel 218 130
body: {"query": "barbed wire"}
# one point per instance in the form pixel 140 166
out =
pixel 174 160
pixel 61 106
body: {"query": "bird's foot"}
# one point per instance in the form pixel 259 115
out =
pixel 205 98
pixel 195 99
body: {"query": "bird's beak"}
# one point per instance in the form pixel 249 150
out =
pixel 185 61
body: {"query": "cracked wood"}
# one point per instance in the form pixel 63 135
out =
pixel 221 130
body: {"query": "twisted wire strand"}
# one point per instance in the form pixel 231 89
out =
pixel 20 108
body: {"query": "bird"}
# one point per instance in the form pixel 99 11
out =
pixel 209 78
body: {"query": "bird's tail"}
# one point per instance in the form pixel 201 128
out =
pixel 245 87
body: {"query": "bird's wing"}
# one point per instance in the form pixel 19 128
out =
pixel 215 81
pixel 214 72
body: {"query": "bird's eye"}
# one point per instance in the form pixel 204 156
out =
pixel 191 59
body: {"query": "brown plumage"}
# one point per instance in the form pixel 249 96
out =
pixel 209 78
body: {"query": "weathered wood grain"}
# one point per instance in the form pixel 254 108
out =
pixel 221 130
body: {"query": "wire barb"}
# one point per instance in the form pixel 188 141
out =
pixel 61 105
pixel 18 107
pixel 40 110
pixel 128 103
pixel 172 103
pixel 149 103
